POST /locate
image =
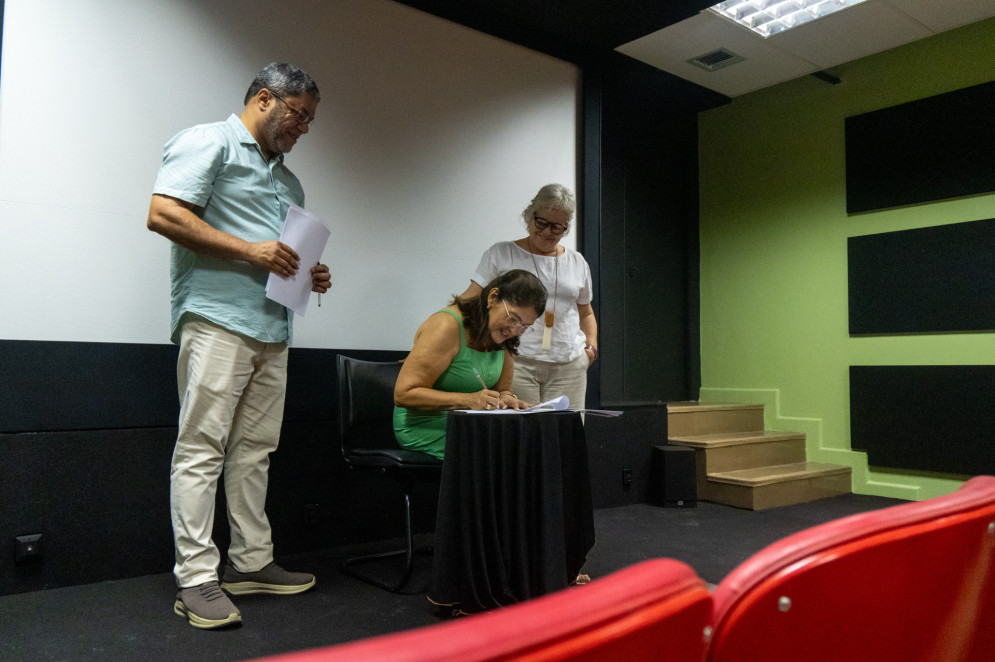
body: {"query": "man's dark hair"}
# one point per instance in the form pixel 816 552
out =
pixel 283 79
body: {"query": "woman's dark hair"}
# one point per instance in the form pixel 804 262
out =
pixel 517 287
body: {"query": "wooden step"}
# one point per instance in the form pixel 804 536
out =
pixel 777 474
pixel 743 450
pixel 692 418
pixel 724 439
pixel 681 406
pixel 781 485
pixel 739 463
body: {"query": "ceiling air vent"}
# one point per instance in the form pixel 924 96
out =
pixel 716 60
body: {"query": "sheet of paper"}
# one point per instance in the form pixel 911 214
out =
pixel 561 403
pixel 556 404
pixel 303 232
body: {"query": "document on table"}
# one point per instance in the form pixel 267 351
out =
pixel 556 404
pixel 562 403
pixel 303 232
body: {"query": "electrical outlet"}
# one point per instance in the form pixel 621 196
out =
pixel 27 547
pixel 626 478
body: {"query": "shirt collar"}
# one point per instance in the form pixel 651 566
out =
pixel 244 137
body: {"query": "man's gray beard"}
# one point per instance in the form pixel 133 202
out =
pixel 274 135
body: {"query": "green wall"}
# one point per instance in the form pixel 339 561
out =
pixel 774 232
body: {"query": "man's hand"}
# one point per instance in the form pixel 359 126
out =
pixel 274 256
pixel 321 279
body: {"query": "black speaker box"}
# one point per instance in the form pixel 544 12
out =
pixel 673 483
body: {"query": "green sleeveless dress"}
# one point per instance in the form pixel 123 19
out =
pixel 425 431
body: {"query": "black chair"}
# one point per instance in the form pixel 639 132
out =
pixel 366 409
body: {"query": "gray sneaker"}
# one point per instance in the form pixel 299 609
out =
pixel 206 606
pixel 271 579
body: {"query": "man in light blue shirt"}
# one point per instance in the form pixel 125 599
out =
pixel 221 197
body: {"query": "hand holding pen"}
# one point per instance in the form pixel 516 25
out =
pixel 321 279
pixel 487 394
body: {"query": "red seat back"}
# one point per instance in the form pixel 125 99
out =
pixel 655 610
pixel 910 582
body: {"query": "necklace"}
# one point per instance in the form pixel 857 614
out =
pixel 547 332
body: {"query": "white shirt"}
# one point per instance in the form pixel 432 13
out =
pixel 566 276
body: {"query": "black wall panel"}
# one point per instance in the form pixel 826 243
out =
pixel 641 168
pixel 86 436
pixel 926 280
pixel 100 499
pixel 47 386
pixel 924 418
pixel 624 444
pixel 931 149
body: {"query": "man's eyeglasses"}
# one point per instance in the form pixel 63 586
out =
pixel 302 116
pixel 516 323
pixel 541 224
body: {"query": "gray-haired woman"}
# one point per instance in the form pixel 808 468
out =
pixel 555 354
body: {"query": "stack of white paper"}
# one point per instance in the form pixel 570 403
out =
pixel 303 232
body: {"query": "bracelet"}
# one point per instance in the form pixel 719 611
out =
pixel 593 349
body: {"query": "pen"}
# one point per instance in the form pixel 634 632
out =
pixel 480 378
pixel 485 388
pixel 319 293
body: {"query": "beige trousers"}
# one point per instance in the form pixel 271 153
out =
pixel 231 390
pixel 539 381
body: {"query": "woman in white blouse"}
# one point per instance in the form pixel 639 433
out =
pixel 556 352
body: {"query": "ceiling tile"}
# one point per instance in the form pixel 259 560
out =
pixel 670 48
pixel 945 15
pixel 864 29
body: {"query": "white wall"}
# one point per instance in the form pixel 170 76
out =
pixel 429 141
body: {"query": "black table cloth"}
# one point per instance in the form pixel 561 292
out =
pixel 515 516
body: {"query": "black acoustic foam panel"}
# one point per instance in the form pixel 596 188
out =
pixel 924 418
pixel 928 280
pixel 926 150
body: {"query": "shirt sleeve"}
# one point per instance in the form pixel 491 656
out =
pixel 490 267
pixel 586 294
pixel 191 161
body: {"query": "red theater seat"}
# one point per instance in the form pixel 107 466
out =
pixel 906 583
pixel 656 610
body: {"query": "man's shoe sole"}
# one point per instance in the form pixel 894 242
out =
pixel 247 588
pixel 204 623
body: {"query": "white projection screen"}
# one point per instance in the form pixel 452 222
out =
pixel 429 141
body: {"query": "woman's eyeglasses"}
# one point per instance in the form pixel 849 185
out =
pixel 516 323
pixel 541 224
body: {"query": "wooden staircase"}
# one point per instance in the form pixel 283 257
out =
pixel 741 464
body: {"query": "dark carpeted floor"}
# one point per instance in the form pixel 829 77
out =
pixel 133 619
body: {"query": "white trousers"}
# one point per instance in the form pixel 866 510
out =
pixel 232 391
pixel 538 381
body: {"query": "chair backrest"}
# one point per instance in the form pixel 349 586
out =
pixel 655 610
pixel 911 582
pixel 366 403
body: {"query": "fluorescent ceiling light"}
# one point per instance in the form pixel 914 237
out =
pixel 768 17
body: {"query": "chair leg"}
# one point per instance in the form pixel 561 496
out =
pixel 408 552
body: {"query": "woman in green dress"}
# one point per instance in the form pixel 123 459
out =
pixel 463 358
